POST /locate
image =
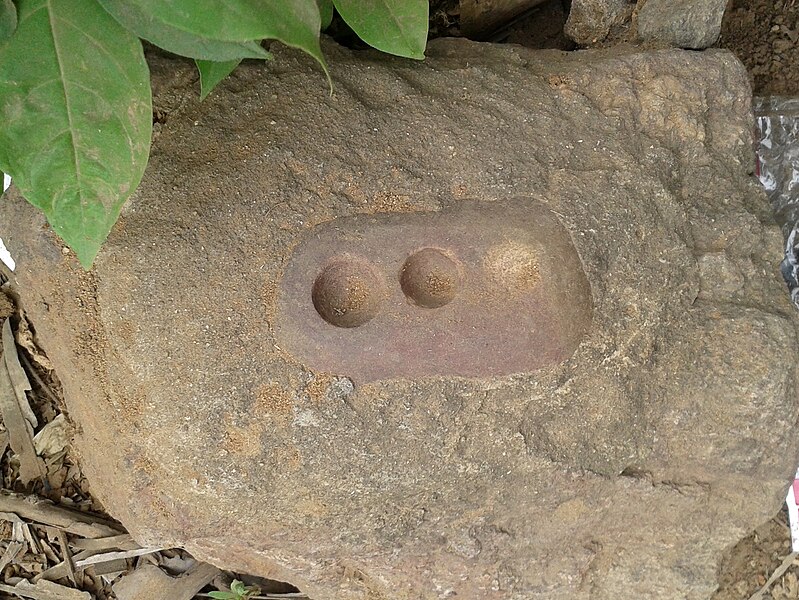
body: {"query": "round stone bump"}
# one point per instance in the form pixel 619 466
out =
pixel 430 278
pixel 348 292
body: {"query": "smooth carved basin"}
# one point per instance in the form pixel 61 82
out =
pixel 473 290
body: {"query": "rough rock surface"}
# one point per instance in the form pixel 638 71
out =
pixel 590 20
pixel 692 24
pixel 623 472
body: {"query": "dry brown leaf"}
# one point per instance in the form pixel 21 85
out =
pixel 19 379
pixel 53 437
pixel 787 563
pixel 176 565
pixel 116 542
pixel 35 509
pixel 32 563
pixel 56 572
pixel 17 415
pixel 25 530
pixel 13 551
pixel 45 590
pixel 148 582
pixel 112 569
pixel 49 552
pixel 61 570
pixel 69 563
pixel 57 477
pixel 6 305
pixel 111 556
pixel 3 442
pixel 25 339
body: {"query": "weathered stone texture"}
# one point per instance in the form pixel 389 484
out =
pixel 590 20
pixel 621 473
pixel 681 23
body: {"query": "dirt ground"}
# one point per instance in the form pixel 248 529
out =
pixel 764 34
pixel 751 563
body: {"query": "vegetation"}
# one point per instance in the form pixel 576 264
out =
pixel 75 102
pixel 238 591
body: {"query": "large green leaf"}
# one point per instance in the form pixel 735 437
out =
pixel 326 12
pixel 293 22
pixel 76 112
pixel 394 26
pixel 176 40
pixel 8 19
pixel 211 73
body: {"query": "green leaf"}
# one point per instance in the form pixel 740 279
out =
pixel 8 19
pixel 131 16
pixel 212 72
pixel 326 12
pixel 394 26
pixel 293 22
pixel 222 595
pixel 77 116
pixel 237 587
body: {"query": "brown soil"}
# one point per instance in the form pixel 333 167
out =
pixel 764 34
pixel 540 27
pixel 747 567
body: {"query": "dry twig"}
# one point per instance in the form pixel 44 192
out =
pixel 16 411
pixel 778 572
pixel 148 582
pixel 72 521
pixel 45 590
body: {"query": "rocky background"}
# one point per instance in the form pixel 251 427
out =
pixel 763 34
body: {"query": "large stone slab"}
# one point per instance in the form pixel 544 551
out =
pixel 622 466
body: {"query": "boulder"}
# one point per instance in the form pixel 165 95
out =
pixel 235 363
pixel 589 21
pixel 692 24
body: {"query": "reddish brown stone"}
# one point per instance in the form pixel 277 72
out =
pixel 516 297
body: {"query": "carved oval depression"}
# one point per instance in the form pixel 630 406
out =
pixel 479 289
pixel 348 292
pixel 430 278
